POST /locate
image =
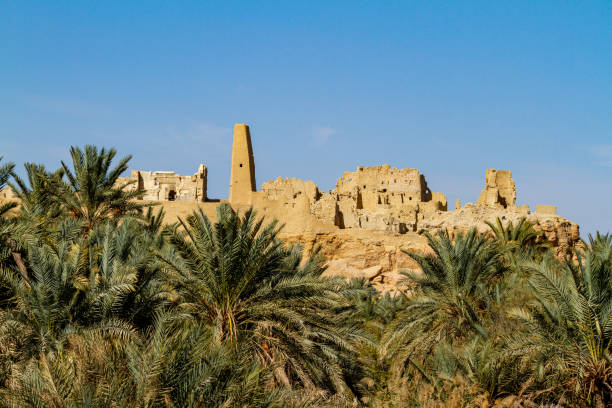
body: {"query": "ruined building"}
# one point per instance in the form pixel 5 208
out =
pixel 499 189
pixel 167 185
pixel 377 198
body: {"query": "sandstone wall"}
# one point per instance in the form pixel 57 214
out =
pixel 289 189
pixel 167 185
pixel 383 185
pixel 499 189
pixel 546 209
pixel 379 198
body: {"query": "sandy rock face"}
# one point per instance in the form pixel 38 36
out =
pixel 374 256
pixel 559 232
pixel 378 257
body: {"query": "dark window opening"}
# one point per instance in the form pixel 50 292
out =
pixel 171 195
pixel 240 164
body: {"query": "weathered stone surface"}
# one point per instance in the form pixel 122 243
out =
pixel 167 185
pixel 499 189
pixel 327 210
pixel 374 256
pixel 289 189
pixel 546 209
pixel 242 179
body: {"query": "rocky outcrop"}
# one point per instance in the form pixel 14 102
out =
pixel 378 257
pixel 559 232
pixel 374 256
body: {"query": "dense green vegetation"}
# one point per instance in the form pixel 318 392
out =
pixel 101 305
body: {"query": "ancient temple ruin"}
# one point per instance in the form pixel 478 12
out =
pixel 379 198
pixel 167 185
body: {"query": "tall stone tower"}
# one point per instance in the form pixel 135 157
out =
pixel 242 179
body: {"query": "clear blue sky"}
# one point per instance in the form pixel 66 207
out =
pixel 451 88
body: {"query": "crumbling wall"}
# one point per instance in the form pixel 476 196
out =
pixel 289 189
pixel 383 185
pixel 374 198
pixel 326 209
pixel 385 199
pixel 499 190
pixel 167 185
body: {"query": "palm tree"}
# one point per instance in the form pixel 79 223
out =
pixel 39 210
pixel 448 302
pixel 567 334
pixel 518 242
pixel 369 309
pixel 10 254
pixel 39 205
pixel 174 364
pixel 60 297
pixel 91 193
pixel 5 173
pixel 123 266
pixel 182 363
pixel 106 282
pixel 237 276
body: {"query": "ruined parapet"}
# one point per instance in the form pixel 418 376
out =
pixel 242 179
pixel 546 209
pixel 499 189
